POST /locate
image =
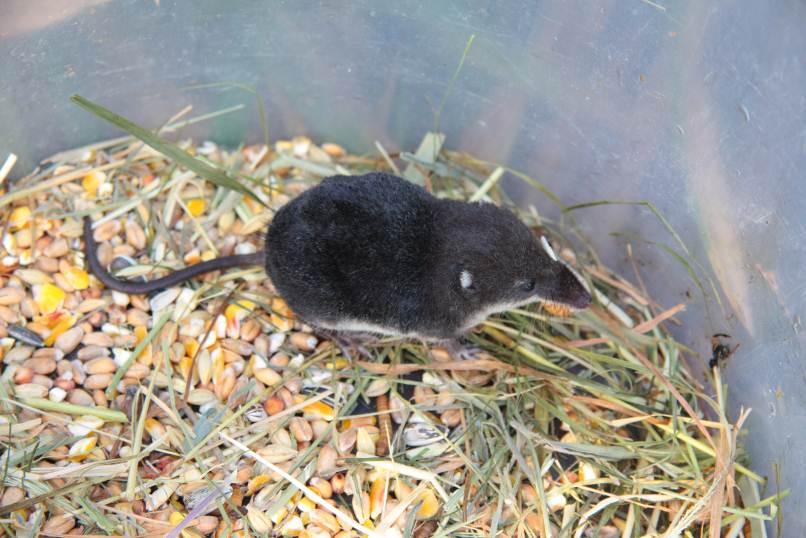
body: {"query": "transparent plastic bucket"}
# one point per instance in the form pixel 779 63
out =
pixel 697 107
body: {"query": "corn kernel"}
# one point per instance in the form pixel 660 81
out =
pixel 82 448
pixel 196 206
pixel 77 278
pixel 191 347
pixel 557 309
pixel 256 483
pixel 429 505
pixel 319 410
pixel 48 298
pixel 92 181
pixel 20 217
pixel 64 323
pixel 282 317
pixel 140 332
pixel 339 363
pixel 155 428
pixel 185 365
pixel 306 505
pixel 239 310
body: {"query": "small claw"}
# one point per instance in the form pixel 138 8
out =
pixel 463 353
pixel 347 345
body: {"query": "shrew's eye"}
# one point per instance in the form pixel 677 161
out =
pixel 528 285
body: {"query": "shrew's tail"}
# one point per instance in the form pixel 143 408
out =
pixel 131 287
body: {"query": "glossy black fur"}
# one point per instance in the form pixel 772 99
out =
pixel 381 250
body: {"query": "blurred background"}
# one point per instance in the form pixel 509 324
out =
pixel 697 107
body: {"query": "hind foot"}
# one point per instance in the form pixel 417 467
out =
pixel 347 344
pixel 462 352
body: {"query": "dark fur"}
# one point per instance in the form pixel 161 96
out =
pixel 380 249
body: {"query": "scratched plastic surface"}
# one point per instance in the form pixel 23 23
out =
pixel 696 106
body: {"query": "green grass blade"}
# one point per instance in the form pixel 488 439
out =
pixel 170 150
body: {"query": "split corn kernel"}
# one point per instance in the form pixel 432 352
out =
pixel 191 347
pixel 176 518
pixel 429 505
pixel 92 181
pixel 20 218
pixel 557 309
pixel 77 278
pixel 306 505
pixel 377 492
pixel 155 428
pixel 63 324
pixel 256 483
pixel 339 363
pixel 185 366
pixel 319 410
pixel 140 332
pixel 82 448
pixel 282 317
pixel 239 310
pixel 196 206
pixel 48 298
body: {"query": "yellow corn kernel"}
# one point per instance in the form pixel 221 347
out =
pixel 92 181
pixel 140 332
pixel 64 323
pixel 48 298
pixel 20 218
pixel 77 278
pixel 319 410
pixel 191 347
pixel 429 505
pixel 282 317
pixel 176 518
pixel 256 483
pixel 196 206
pixel 155 428
pixel 306 505
pixel 239 310
pixel 339 363
pixel 376 494
pixel 185 365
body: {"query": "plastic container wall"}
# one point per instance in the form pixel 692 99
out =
pixel 697 107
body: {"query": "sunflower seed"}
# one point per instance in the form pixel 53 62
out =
pixel 26 336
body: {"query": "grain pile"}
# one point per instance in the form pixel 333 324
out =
pixel 207 409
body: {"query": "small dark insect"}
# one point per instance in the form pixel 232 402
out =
pixel 720 352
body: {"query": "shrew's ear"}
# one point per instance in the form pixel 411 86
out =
pixel 466 280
